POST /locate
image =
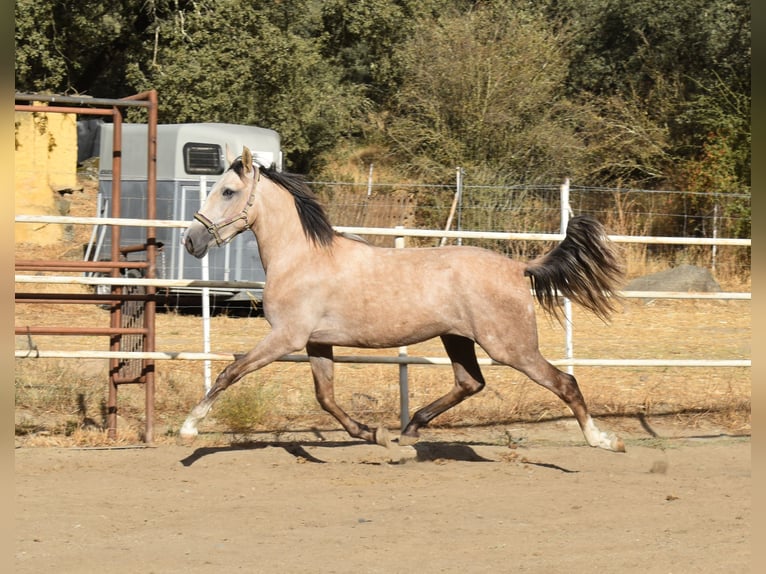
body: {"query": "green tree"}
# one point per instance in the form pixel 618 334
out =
pixel 603 91
pixel 483 90
pixel 82 47
pixel 719 197
pixel 685 64
pixel 230 61
pixel 362 36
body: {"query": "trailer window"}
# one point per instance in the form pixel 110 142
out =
pixel 203 159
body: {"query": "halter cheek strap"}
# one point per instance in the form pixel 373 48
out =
pixel 215 228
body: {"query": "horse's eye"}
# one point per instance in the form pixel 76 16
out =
pixel 227 193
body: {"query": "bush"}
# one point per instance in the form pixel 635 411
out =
pixel 244 408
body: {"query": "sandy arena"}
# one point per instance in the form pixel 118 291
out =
pixel 511 499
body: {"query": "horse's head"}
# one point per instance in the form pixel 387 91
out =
pixel 227 210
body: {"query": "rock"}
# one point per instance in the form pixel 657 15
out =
pixel 689 278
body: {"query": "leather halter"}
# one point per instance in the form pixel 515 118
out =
pixel 215 228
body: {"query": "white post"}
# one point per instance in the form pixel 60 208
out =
pixel 227 262
pixel 455 201
pixel 180 258
pixel 369 182
pixel 94 233
pixel 715 236
pixel 102 233
pixel 566 212
pixel 205 295
pixel 404 391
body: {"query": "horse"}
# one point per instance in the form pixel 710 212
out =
pixel 324 289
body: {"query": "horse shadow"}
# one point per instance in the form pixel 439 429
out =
pixel 424 452
pixel 443 451
pixel 291 447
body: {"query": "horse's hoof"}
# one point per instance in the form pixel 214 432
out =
pixel 408 440
pixel 187 434
pixel 618 445
pixel 381 437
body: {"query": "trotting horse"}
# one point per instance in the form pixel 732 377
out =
pixel 324 289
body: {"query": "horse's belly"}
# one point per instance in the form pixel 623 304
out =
pixel 382 334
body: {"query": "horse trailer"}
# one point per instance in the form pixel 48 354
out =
pixel 190 157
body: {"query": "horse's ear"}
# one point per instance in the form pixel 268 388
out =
pixel 229 156
pixel 247 159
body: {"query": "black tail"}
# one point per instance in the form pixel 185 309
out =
pixel 584 267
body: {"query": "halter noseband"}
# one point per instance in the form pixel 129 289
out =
pixel 215 228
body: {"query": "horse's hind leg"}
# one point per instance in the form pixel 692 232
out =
pixel 565 386
pixel 468 381
pixel 322 368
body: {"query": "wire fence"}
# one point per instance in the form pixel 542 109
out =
pixel 536 209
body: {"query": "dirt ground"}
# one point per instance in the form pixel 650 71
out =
pixel 518 497
pixel 527 498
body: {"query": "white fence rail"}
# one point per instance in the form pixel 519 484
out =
pixel 370 360
pixel 214 284
pixel 398 231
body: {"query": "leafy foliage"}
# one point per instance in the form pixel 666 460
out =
pixel 68 46
pixel 230 62
pixel 606 92
pixel 482 90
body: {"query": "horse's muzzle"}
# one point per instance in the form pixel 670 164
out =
pixel 196 239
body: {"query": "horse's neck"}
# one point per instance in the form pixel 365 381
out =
pixel 278 227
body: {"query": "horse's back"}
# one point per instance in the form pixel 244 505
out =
pixel 425 268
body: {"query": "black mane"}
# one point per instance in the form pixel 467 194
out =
pixel 316 224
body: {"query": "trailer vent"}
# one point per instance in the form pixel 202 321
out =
pixel 203 159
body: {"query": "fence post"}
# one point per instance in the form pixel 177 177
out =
pixel 715 236
pixel 369 182
pixel 404 391
pixel 566 212
pixel 205 294
pixel 456 201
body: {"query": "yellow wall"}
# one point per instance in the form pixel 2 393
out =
pixel 45 163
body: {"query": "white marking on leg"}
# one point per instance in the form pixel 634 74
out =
pixel 598 438
pixel 199 412
pixel 189 428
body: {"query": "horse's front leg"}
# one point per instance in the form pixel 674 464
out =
pixel 271 348
pixel 322 368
